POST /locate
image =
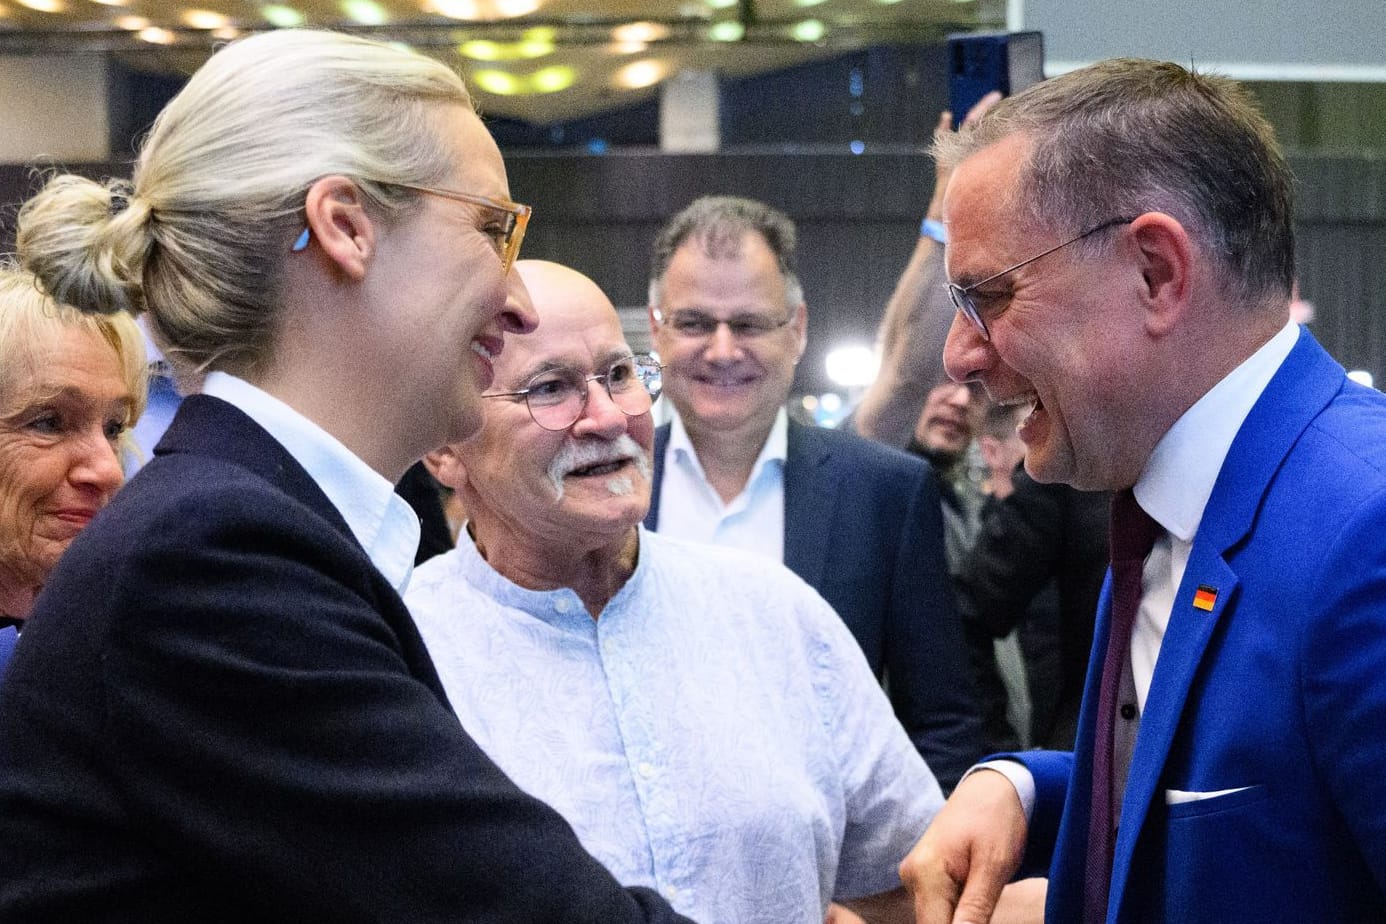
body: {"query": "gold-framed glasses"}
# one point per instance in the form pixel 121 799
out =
pixel 507 234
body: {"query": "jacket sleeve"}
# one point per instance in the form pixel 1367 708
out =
pixel 927 668
pixel 267 724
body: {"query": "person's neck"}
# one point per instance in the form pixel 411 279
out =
pixel 595 573
pixel 728 458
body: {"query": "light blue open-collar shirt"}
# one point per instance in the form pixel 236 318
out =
pixel 716 735
pixel 382 522
pixel 690 507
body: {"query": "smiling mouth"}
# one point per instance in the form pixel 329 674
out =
pixel 597 469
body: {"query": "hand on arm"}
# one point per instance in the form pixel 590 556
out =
pixel 974 846
pixel 915 325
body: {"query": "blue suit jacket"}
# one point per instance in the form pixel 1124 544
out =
pixel 863 527
pixel 1278 693
pixel 223 712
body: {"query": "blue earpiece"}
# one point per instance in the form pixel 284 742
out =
pixel 302 242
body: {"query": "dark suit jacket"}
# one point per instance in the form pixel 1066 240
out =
pixel 863 528
pixel 225 713
pixel 1041 534
pixel 9 636
pixel 1270 708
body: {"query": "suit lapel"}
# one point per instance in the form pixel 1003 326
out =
pixel 661 443
pixel 810 498
pixel 1304 384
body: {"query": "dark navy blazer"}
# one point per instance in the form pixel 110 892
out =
pixel 223 712
pixel 863 527
pixel 1276 697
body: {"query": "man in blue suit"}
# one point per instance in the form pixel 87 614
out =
pixel 1121 257
pixel 859 522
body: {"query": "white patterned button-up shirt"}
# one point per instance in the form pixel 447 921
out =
pixel 716 735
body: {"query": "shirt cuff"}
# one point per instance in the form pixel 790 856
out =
pixel 933 229
pixel 1019 775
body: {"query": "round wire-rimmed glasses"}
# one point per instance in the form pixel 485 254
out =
pixel 962 295
pixel 557 397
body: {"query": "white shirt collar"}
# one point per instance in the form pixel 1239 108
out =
pixel 386 526
pixel 1179 478
pixel 776 448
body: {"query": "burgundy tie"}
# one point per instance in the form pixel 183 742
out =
pixel 1133 535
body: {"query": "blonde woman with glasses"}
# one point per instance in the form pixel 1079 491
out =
pixel 221 710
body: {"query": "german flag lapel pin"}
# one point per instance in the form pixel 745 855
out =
pixel 1205 598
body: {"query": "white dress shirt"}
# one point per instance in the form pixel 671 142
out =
pixel 1174 488
pixel 382 522
pixel 691 508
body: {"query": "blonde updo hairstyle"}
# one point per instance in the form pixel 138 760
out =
pixel 31 325
pixel 199 237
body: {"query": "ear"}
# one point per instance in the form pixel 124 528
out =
pixel 445 465
pixel 800 325
pixel 1166 261
pixel 340 224
pixel 655 318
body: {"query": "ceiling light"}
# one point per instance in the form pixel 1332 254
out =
pixel 44 6
pixel 112 2
pixel 498 83
pixel 456 9
pixel 627 48
pixel 485 50
pixel 889 2
pixel 481 50
pixel 285 17
pixel 640 32
pixel 226 33
pixel 807 2
pixel 727 31
pixel 540 34
pixel 721 4
pixel 552 79
pixel 132 23
pixel 156 36
pixel 203 19
pixel 365 12
pixel 512 8
pixel 810 30
pixel 533 49
pixel 640 74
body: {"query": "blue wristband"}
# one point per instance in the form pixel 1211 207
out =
pixel 933 229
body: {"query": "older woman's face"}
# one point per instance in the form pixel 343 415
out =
pixel 59 462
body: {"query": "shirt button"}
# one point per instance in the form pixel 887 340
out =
pixel 671 893
pixel 562 605
pixel 647 769
pixel 1128 711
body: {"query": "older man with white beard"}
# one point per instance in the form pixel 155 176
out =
pixel 702 718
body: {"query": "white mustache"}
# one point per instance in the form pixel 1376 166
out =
pixel 576 454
